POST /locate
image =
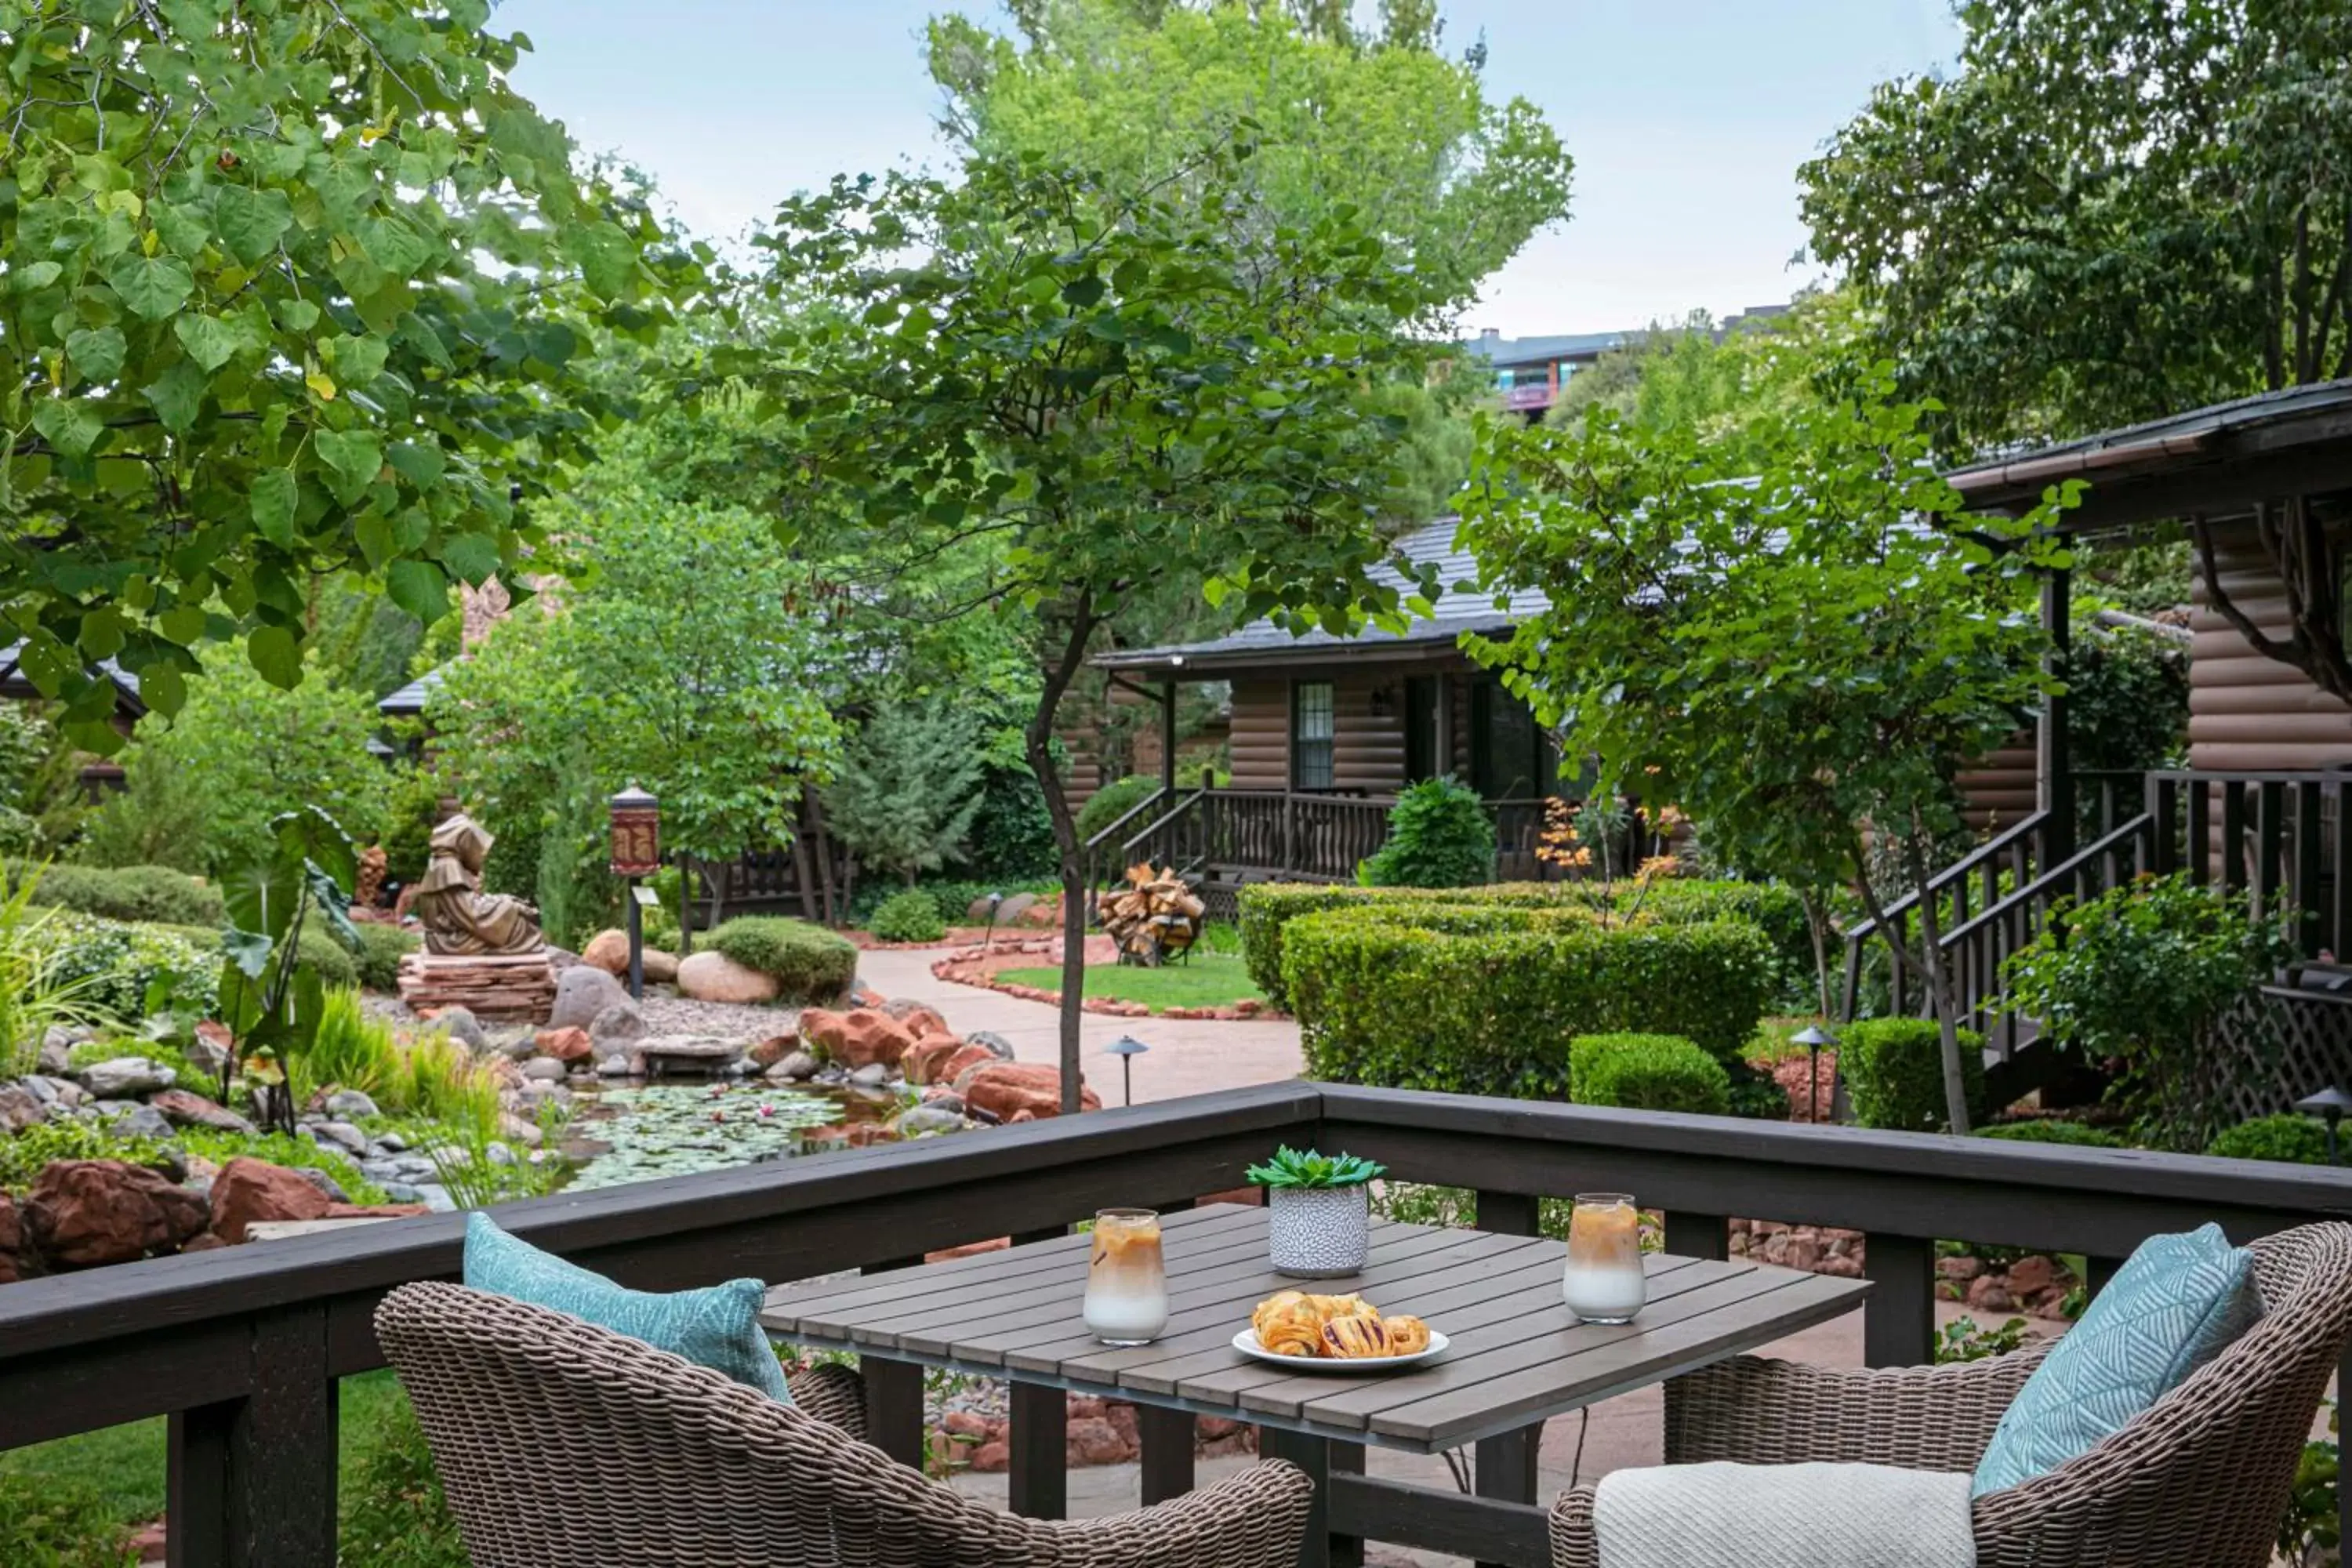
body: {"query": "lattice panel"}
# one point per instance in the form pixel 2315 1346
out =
pixel 2275 1047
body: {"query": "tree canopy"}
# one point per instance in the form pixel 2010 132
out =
pixel 288 289
pixel 1796 641
pixel 1377 121
pixel 2113 211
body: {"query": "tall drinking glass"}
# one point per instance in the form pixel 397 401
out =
pixel 1127 1279
pixel 1603 1282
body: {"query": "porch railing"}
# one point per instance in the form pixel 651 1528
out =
pixel 1238 834
pixel 241 1348
pixel 2273 838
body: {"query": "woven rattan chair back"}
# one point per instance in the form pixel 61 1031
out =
pixel 563 1445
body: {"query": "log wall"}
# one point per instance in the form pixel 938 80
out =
pixel 2246 712
pixel 2000 789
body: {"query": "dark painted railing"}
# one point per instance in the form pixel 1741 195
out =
pixel 241 1348
pixel 2273 838
pixel 1258 834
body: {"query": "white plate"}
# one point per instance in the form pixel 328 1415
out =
pixel 1246 1343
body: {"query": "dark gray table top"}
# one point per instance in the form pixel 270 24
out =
pixel 1516 1355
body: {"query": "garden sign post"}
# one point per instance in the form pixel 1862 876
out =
pixel 636 853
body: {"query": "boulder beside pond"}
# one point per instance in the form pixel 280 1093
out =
pixel 125 1077
pixel 711 976
pixel 1008 1089
pixel 581 992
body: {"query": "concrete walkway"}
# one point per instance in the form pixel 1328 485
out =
pixel 1188 1055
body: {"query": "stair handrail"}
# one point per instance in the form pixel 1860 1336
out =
pixel 2025 828
pixel 1168 818
pixel 2042 887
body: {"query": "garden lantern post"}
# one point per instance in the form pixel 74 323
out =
pixel 635 854
pixel 1813 1037
pixel 1127 1048
pixel 2329 1105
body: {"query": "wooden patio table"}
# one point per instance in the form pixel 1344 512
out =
pixel 1516 1358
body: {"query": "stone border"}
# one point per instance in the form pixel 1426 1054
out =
pixel 969 966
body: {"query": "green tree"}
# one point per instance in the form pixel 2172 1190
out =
pixel 674 661
pixel 2112 211
pixel 908 787
pixel 1801 649
pixel 1376 122
pixel 1115 390
pixel 290 289
pixel 241 753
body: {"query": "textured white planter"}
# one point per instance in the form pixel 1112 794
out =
pixel 1318 1233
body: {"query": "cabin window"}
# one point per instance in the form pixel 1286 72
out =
pixel 1311 727
pixel 1511 756
pixel 1421 743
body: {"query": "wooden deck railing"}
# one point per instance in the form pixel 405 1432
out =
pixel 241 1348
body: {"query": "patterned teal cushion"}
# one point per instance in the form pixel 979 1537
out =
pixel 2176 1304
pixel 716 1327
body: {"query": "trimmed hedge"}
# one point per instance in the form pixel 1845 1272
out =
pixel 810 963
pixel 2069 1132
pixel 1400 1006
pixel 1647 1072
pixel 909 915
pixel 150 895
pixel 109 964
pixel 1893 1072
pixel 2296 1140
pixel 1774 910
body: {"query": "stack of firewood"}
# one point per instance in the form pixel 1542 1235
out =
pixel 1153 918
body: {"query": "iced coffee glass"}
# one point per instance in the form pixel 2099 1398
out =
pixel 1127 1279
pixel 1603 1282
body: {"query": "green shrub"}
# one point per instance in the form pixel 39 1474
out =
pixel 1113 801
pixel 2068 1132
pixel 352 1049
pixel 52 1521
pixel 23 1153
pixel 154 894
pixel 909 915
pixel 281 1149
pixel 2293 1139
pixel 810 963
pixel 111 963
pixel 1493 1012
pixel 1893 1072
pixel 382 947
pixel 1647 1072
pixel 1267 906
pixel 1012 839
pixel 1439 837
pixel 439 1080
pixel 393 1512
pixel 1773 908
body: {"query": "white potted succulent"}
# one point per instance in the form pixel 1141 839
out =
pixel 1320 1211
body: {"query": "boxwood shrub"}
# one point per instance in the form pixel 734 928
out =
pixel 1398 1005
pixel 1267 906
pixel 1647 1072
pixel 2069 1132
pixel 2297 1140
pixel 810 963
pixel 382 947
pixel 908 915
pixel 153 894
pixel 1893 1072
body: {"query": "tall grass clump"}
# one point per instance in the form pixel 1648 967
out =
pixel 351 1049
pixel 36 991
pixel 441 1082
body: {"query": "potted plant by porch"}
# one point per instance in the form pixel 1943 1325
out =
pixel 1318 1211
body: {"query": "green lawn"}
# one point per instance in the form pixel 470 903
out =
pixel 1210 980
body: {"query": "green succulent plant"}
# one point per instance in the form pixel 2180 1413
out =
pixel 1306 1168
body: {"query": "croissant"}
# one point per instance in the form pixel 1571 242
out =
pixel 1279 1302
pixel 1347 1305
pixel 1407 1335
pixel 1291 1336
pixel 1356 1336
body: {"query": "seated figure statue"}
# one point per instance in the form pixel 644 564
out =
pixel 459 918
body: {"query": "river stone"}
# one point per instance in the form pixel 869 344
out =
pixel 350 1104
pixel 125 1077
pixel 137 1121
pixel 687 1053
pixel 713 976
pixel 923 1118
pixel 870 1076
pixel 614 1066
pixel 20 1108
pixel 462 1026
pixel 996 1044
pixel 581 992
pixel 323 1182
pixel 543 1069
pixel 340 1135
pixel 617 1026
pixel 793 1065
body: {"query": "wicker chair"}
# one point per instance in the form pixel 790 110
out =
pixel 560 1444
pixel 2200 1479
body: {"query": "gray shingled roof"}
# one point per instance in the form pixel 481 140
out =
pixel 1456 612
pixel 1537 351
pixel 410 699
pixel 124 681
pixel 2221 418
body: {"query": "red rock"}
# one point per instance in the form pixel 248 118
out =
pixel 248 1190
pixel 964 1424
pixel 923 1057
pixel 148 1542
pixel 1804 1253
pixel 2029 1276
pixel 1209 1428
pixel 86 1214
pixel 1004 1088
pixel 773 1049
pixel 1019 1116
pixel 12 1238
pixel 990 1459
pixel 923 1022
pixel 569 1044
pixel 205 1242
pixel 608 950
pixel 824 1028
pixel 1248 1007
pixel 1841 1266
pixel 1987 1294
pixel 183 1108
pixel 1095 1441
pixel 1122 1419
pixel 866 1037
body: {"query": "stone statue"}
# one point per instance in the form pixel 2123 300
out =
pixel 459 918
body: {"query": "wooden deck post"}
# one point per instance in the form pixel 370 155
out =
pixel 251 1482
pixel 1168 742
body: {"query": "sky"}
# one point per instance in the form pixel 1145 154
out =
pixel 1687 119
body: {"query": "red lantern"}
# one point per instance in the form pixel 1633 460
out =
pixel 636 833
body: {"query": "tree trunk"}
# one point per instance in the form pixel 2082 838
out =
pixel 685 904
pixel 1938 973
pixel 1817 921
pixel 1039 745
pixel 720 872
pixel 823 851
pixel 805 872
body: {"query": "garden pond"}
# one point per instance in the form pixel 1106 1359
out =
pixel 639 1132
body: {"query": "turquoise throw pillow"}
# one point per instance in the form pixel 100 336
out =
pixel 2174 1304
pixel 716 1327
